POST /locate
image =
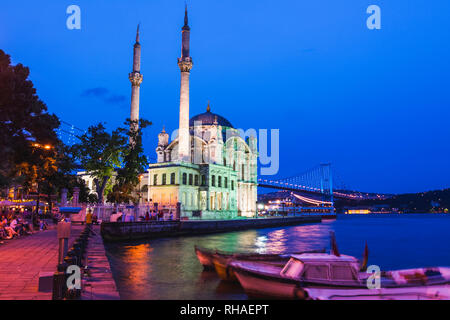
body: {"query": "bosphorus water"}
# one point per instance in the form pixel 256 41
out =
pixel 168 268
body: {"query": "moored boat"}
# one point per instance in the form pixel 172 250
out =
pixel 435 292
pixel 206 257
pixel 323 276
pixel 225 272
pixel 222 268
pixel 279 282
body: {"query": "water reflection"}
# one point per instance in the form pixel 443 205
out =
pixel 260 244
pixel 137 270
pixel 277 241
pixel 168 268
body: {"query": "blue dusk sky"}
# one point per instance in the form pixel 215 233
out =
pixel 374 103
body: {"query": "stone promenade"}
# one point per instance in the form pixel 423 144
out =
pixel 98 284
pixel 22 259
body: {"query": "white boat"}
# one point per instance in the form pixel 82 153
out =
pixel 286 282
pixel 329 276
pixel 436 292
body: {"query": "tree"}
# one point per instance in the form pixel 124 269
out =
pixel 85 196
pixel 99 153
pixel 134 162
pixel 27 131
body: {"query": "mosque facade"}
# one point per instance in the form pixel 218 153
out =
pixel 209 171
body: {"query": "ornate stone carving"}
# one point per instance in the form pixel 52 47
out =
pixel 185 64
pixel 135 78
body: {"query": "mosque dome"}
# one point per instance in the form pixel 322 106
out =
pixel 208 118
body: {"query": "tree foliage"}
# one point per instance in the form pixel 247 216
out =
pixel 134 162
pixel 25 129
pixel 32 155
pixel 114 160
pixel 99 153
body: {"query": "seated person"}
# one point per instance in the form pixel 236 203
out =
pixel 9 231
pixel 42 225
pixel 25 226
pixel 13 224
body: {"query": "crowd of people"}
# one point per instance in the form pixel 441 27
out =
pixel 158 216
pixel 118 216
pixel 13 224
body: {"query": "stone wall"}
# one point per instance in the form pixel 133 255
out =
pixel 119 231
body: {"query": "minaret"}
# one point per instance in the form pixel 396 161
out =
pixel 136 79
pixel 185 64
pixel 163 142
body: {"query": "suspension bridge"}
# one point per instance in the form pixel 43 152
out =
pixel 314 188
pixel 317 180
pixel 310 191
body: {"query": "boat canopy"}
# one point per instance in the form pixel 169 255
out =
pixel 323 257
pixel 322 266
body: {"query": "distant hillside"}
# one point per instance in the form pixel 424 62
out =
pixel 430 201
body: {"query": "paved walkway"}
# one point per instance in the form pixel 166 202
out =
pixel 22 259
pixel 99 284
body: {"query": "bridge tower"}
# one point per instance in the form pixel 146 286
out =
pixel 326 182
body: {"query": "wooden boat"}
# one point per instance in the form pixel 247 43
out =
pixel 222 268
pixel 305 275
pixel 206 258
pixel 222 262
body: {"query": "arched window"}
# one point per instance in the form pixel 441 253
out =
pixel 163 179
pixel 172 178
pixel 203 180
pixel 196 180
pixel 213 180
pixel 184 178
pixel 219 181
pixel 155 179
pixel 225 182
pixel 190 179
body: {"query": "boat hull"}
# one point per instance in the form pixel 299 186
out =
pixel 436 292
pixel 259 286
pixel 264 281
pixel 205 257
pixel 224 271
